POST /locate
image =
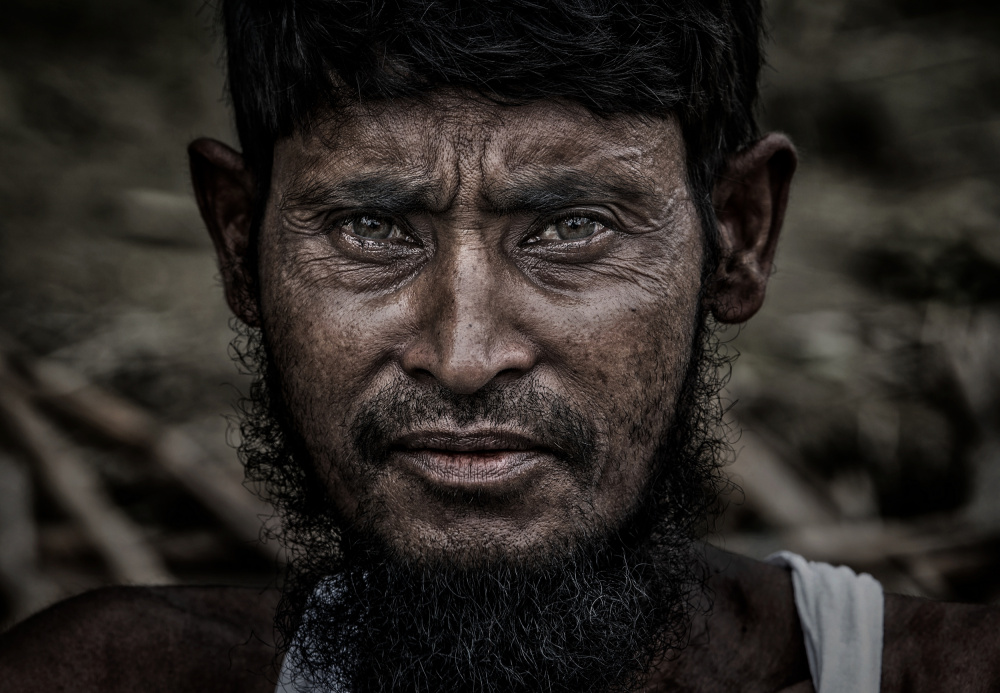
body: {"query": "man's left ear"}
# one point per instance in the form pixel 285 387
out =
pixel 749 200
pixel 224 189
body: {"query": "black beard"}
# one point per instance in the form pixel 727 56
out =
pixel 594 620
pixel 591 613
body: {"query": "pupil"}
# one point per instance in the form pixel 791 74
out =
pixel 577 227
pixel 370 227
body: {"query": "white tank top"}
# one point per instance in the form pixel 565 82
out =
pixel 841 614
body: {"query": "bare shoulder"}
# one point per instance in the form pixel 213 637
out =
pixel 145 638
pixel 935 646
pixel 751 640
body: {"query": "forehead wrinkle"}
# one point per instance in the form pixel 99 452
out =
pixel 471 132
pixel 427 152
pixel 371 164
pixel 447 153
pixel 619 159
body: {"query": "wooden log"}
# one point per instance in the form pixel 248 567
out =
pixel 166 447
pixel 27 589
pixel 78 489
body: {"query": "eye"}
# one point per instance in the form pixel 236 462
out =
pixel 569 229
pixel 374 228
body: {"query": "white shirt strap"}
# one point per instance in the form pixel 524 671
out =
pixel 841 614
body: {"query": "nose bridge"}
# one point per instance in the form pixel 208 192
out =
pixel 467 337
pixel 468 283
pixel 465 324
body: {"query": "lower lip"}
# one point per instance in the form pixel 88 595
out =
pixel 478 470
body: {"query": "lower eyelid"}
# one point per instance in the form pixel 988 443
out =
pixel 571 244
pixel 384 246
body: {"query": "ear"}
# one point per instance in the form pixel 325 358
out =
pixel 225 192
pixel 749 199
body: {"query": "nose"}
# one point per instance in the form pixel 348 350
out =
pixel 468 333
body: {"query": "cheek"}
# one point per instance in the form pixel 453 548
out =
pixel 624 354
pixel 629 337
pixel 327 343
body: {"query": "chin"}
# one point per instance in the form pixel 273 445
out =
pixel 467 532
pixel 475 607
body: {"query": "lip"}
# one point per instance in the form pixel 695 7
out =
pixel 472 460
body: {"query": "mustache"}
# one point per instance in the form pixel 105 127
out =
pixel 532 411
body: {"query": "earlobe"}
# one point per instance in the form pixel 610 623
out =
pixel 225 192
pixel 749 199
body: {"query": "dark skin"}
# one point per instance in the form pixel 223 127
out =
pixel 473 285
pixel 456 244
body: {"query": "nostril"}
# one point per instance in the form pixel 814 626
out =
pixel 421 375
pixel 509 374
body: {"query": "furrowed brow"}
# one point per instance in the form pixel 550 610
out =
pixel 387 193
pixel 549 192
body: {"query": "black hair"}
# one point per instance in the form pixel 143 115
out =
pixel 696 59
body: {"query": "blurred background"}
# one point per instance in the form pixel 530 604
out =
pixel 866 390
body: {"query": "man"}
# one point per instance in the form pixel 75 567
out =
pixel 479 250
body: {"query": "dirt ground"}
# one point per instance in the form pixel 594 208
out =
pixel 867 388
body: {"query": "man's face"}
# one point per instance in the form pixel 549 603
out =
pixel 483 404
pixel 481 316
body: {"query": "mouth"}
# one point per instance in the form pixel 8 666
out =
pixel 471 460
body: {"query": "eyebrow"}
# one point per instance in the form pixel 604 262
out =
pixel 545 191
pixel 399 193
pixel 392 193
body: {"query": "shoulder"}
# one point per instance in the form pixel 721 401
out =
pixel 749 639
pixel 933 646
pixel 928 646
pixel 145 638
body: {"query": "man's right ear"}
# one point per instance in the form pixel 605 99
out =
pixel 225 192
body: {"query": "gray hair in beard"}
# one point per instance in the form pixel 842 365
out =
pixel 591 613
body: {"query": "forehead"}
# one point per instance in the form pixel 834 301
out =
pixel 457 143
